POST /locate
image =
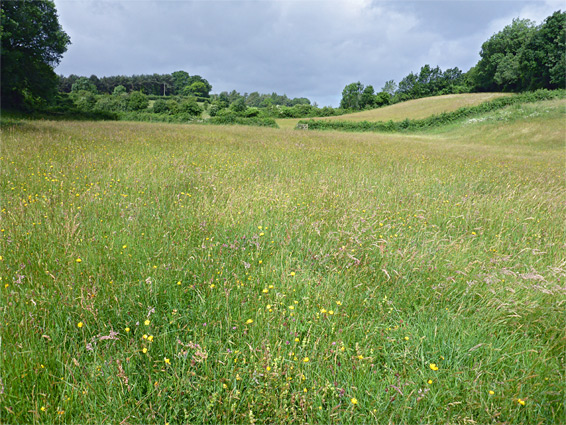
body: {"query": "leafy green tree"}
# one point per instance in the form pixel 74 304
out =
pixel 137 101
pixel 382 99
pixel 180 81
pixel 498 68
pixel 239 105
pixel 367 99
pixel 33 43
pixel 198 88
pixel 84 84
pixel 223 100
pixel 351 96
pixel 389 87
pixel 543 59
pixel 119 90
pixel 198 79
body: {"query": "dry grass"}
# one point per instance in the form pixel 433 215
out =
pixel 421 108
pixel 412 109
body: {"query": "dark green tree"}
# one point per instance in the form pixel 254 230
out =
pixel 367 99
pixel 84 84
pixel 33 43
pixel 180 81
pixel 198 88
pixel 543 58
pixel 351 96
pixel 498 69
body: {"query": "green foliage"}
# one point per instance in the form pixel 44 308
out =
pixel 524 57
pixel 119 90
pixel 180 80
pixel 160 106
pixel 498 68
pixel 84 100
pixel 367 99
pixel 390 87
pixel 191 107
pixel 83 84
pixel 173 106
pixel 351 96
pixel 33 43
pixel 198 89
pixel 231 119
pixel 543 58
pixel 137 101
pixel 430 82
pixel 238 106
pixel 435 120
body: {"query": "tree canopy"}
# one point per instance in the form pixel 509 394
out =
pixel 33 43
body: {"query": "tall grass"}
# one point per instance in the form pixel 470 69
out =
pixel 194 274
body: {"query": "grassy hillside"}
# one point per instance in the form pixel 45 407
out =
pixel 156 273
pixel 412 109
pixel 420 108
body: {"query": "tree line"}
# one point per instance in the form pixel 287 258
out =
pixel 521 57
pixel 176 83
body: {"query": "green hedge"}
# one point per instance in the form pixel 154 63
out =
pixel 232 119
pixel 444 118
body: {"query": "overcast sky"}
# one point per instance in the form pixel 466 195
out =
pixel 301 48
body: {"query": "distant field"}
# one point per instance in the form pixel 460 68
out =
pixel 420 108
pixel 159 273
pixel 412 109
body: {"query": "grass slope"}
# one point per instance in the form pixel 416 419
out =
pixel 420 108
pixel 159 273
pixel 412 109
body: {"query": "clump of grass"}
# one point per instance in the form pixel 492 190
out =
pixel 176 274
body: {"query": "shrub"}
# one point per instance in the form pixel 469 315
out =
pixel 160 106
pixel 137 101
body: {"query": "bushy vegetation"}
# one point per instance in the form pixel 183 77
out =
pixel 434 120
pixel 234 119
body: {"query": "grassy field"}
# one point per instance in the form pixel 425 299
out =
pixel 156 273
pixel 412 109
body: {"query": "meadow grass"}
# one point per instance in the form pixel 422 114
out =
pixel 420 108
pixel 156 273
pixel 411 109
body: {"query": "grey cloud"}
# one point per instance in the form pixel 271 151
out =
pixel 301 48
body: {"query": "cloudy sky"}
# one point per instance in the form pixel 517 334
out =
pixel 303 48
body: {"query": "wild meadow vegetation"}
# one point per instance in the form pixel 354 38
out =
pixel 161 273
pixel 437 120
